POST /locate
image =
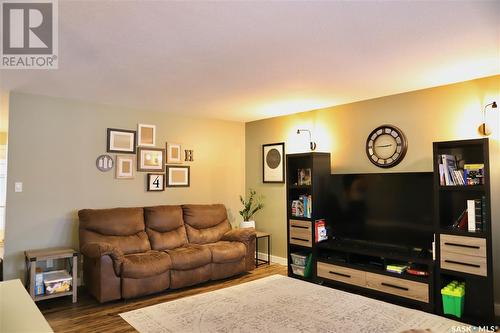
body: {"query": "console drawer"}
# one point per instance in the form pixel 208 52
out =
pixel 405 288
pixel 471 246
pixel 464 263
pixel 342 274
pixel 301 233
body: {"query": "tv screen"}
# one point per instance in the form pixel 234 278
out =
pixel 384 208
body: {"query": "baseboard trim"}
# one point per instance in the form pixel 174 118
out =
pixel 274 259
pixel 497 309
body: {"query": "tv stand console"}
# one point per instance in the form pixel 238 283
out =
pixel 361 268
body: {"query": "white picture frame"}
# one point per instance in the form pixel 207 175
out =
pixel 174 153
pixel 146 135
pixel 125 167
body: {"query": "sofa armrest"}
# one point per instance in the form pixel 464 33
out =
pixel 244 235
pixel 97 250
pixel 247 237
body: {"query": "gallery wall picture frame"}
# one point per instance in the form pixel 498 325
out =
pixel 273 163
pixel 146 135
pixel 174 153
pixel 178 176
pixel 121 141
pixel 125 167
pixel 150 159
pixel 156 182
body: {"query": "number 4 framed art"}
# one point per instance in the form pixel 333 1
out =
pixel 156 182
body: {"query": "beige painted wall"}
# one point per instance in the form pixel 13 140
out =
pixel 444 113
pixel 53 145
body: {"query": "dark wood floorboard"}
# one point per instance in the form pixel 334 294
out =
pixel 87 315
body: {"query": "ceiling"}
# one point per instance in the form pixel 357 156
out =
pixel 245 61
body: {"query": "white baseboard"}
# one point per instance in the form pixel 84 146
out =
pixel 497 309
pixel 274 259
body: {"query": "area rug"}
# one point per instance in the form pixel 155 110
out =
pixel 281 304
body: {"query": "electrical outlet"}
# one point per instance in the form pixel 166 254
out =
pixel 18 187
pixel 50 263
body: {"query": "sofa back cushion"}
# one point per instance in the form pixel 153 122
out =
pixel 205 223
pixel 165 227
pixel 123 228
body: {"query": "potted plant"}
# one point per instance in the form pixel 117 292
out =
pixel 250 207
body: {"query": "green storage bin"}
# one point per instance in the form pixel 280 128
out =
pixel 453 298
pixel 305 270
pixel 308 269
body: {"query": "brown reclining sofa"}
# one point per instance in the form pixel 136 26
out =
pixel 130 252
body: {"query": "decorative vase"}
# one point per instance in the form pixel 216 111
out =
pixel 247 224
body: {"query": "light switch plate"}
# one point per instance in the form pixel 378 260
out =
pixel 18 187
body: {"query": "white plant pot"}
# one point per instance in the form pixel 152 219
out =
pixel 247 224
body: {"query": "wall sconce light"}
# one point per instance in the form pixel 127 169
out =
pixel 483 130
pixel 312 144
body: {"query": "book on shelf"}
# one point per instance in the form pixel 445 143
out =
pixel 471 215
pixel 320 232
pixel 473 218
pixel 478 212
pixel 462 222
pixel 484 213
pixel 442 180
pixel 396 268
pixel 451 175
pixel 449 165
pixel 303 206
pixel 474 174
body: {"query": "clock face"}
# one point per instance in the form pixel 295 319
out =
pixel 386 146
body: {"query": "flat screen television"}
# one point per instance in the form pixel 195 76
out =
pixel 383 208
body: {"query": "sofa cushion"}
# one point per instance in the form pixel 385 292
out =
pixel 122 228
pixel 205 223
pixel 223 252
pixel 113 222
pixel 165 227
pixel 190 256
pixel 227 269
pixel 141 265
pixel 136 243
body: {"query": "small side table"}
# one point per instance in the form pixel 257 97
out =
pixel 33 256
pixel 260 262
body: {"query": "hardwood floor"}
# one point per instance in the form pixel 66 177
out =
pixel 87 315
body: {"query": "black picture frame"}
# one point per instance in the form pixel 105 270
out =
pixel 108 141
pixel 168 181
pixel 265 160
pixel 162 182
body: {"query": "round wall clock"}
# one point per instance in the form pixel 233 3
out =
pixel 386 146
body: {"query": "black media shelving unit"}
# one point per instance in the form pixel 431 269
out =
pixel 300 230
pixel 360 267
pixel 462 255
